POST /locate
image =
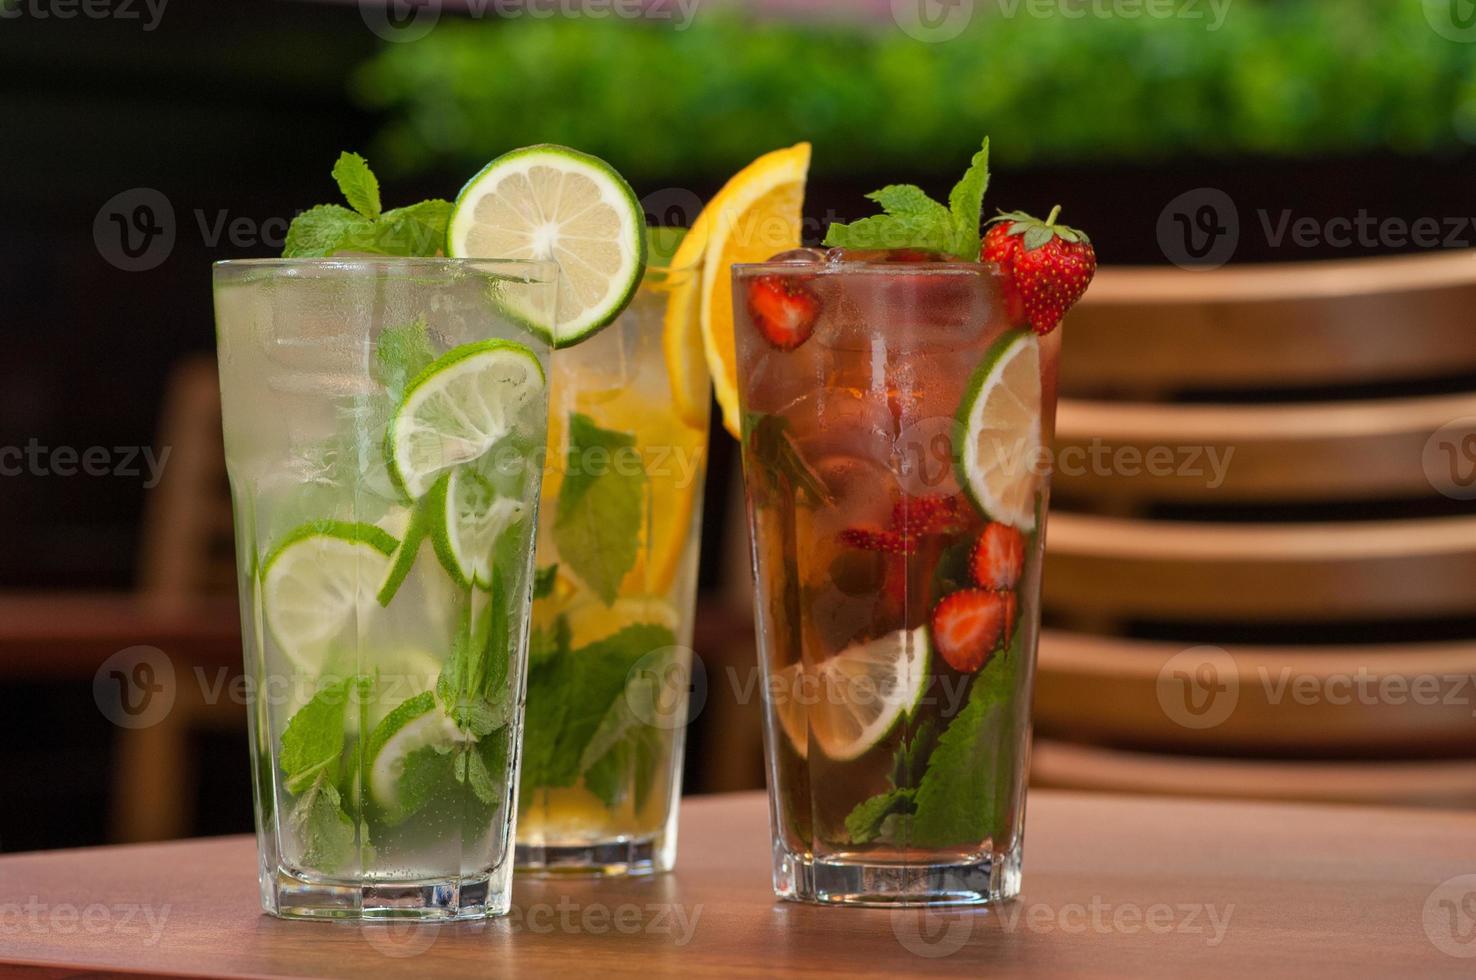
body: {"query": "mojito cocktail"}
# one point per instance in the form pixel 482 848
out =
pixel 898 404
pixel 384 420
pixel 617 554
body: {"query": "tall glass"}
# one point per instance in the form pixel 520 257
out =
pixel 897 491
pixel 383 420
pixel 617 552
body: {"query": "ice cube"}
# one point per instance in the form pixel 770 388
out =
pixel 800 256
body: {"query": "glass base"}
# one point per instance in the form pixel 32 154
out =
pixel 853 880
pixel 600 859
pixel 292 896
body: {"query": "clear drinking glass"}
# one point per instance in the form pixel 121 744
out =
pixel 618 539
pixel 383 421
pixel 896 481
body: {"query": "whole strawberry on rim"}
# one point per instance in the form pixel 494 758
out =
pixel 1048 266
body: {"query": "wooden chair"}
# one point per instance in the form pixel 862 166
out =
pixel 1249 363
pixel 186 565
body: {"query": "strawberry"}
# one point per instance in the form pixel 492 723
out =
pixel 783 311
pixel 927 515
pixel 968 627
pixel 1048 267
pixel 998 558
pixel 887 542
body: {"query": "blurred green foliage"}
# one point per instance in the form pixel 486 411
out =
pixel 1278 78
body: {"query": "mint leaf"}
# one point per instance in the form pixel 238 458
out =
pixel 908 199
pixel 928 232
pixel 628 769
pixel 914 220
pixel 967 783
pixel 601 506
pixel 416 229
pixel 966 203
pixel 543 581
pixel 864 823
pixel 324 832
pixel 401 353
pixel 313 739
pixel 326 230
pixel 570 696
pixel 425 773
pixel 771 445
pixel 358 184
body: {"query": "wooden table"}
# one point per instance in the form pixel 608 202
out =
pixel 1113 887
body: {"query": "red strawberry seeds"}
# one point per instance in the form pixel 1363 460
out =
pixel 783 311
pixel 1048 267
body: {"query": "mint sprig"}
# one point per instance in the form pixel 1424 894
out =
pixel 312 746
pixel 328 229
pixel 601 506
pixel 912 219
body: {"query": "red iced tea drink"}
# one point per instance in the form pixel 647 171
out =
pixel 896 422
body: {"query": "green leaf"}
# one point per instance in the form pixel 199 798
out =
pixel 414 230
pixel 864 823
pixel 771 446
pixel 966 203
pixel 543 581
pixel 323 831
pixel 358 184
pixel 601 506
pixel 426 773
pixel 401 353
pixel 571 695
pixel 313 739
pixel 326 230
pixel 907 199
pixel 929 232
pixel 960 797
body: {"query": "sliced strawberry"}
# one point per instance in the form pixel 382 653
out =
pixel 999 557
pixel 782 310
pixel 887 542
pixel 968 627
pixel 928 515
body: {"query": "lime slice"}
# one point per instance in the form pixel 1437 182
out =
pixel 470 516
pixel 322 577
pixel 553 203
pixel 791 710
pixel 1000 416
pixel 416 724
pixel 459 407
pixel 857 696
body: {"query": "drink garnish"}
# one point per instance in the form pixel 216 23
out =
pixel 969 627
pixel 914 221
pixel 783 311
pixel 328 229
pixel 1048 266
pixel 998 558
